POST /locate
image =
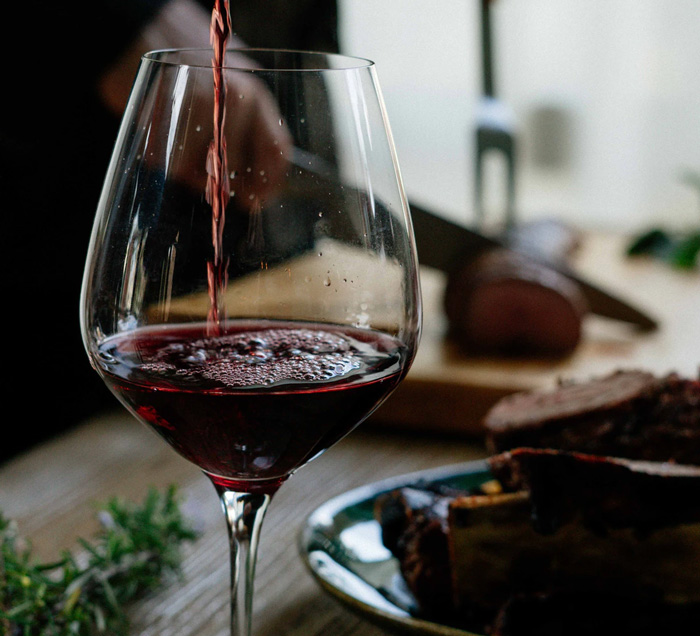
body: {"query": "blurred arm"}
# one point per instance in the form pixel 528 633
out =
pixel 178 24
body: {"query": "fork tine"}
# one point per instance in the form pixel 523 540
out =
pixel 494 130
pixel 494 133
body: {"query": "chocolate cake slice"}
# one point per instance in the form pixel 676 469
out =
pixel 628 413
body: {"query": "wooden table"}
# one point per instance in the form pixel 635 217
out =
pixel 52 490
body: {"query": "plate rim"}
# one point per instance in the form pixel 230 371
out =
pixel 362 494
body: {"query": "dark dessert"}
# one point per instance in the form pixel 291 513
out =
pixel 631 414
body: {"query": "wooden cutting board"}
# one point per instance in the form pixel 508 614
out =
pixel 449 391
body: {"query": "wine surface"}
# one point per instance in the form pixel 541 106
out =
pixel 257 401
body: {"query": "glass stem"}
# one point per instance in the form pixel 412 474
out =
pixel 244 516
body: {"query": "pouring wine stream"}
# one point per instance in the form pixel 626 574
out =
pixel 218 189
pixel 244 512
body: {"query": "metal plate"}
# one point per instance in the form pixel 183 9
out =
pixel 341 545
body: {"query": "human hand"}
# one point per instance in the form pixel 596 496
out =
pixel 257 141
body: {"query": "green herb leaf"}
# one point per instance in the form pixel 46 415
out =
pixel 136 548
pixel 685 254
pixel 655 242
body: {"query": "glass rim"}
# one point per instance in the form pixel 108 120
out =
pixel 342 62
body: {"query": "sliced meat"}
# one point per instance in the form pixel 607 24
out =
pixel 505 303
pixel 628 413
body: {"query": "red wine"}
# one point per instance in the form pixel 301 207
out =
pixel 218 190
pixel 257 401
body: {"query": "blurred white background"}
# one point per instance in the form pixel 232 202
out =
pixel 606 96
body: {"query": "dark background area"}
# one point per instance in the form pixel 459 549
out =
pixel 56 139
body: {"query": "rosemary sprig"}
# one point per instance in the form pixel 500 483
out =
pixel 135 548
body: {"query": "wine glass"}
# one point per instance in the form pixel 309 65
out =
pixel 251 289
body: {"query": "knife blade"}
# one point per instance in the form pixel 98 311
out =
pixel 442 244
